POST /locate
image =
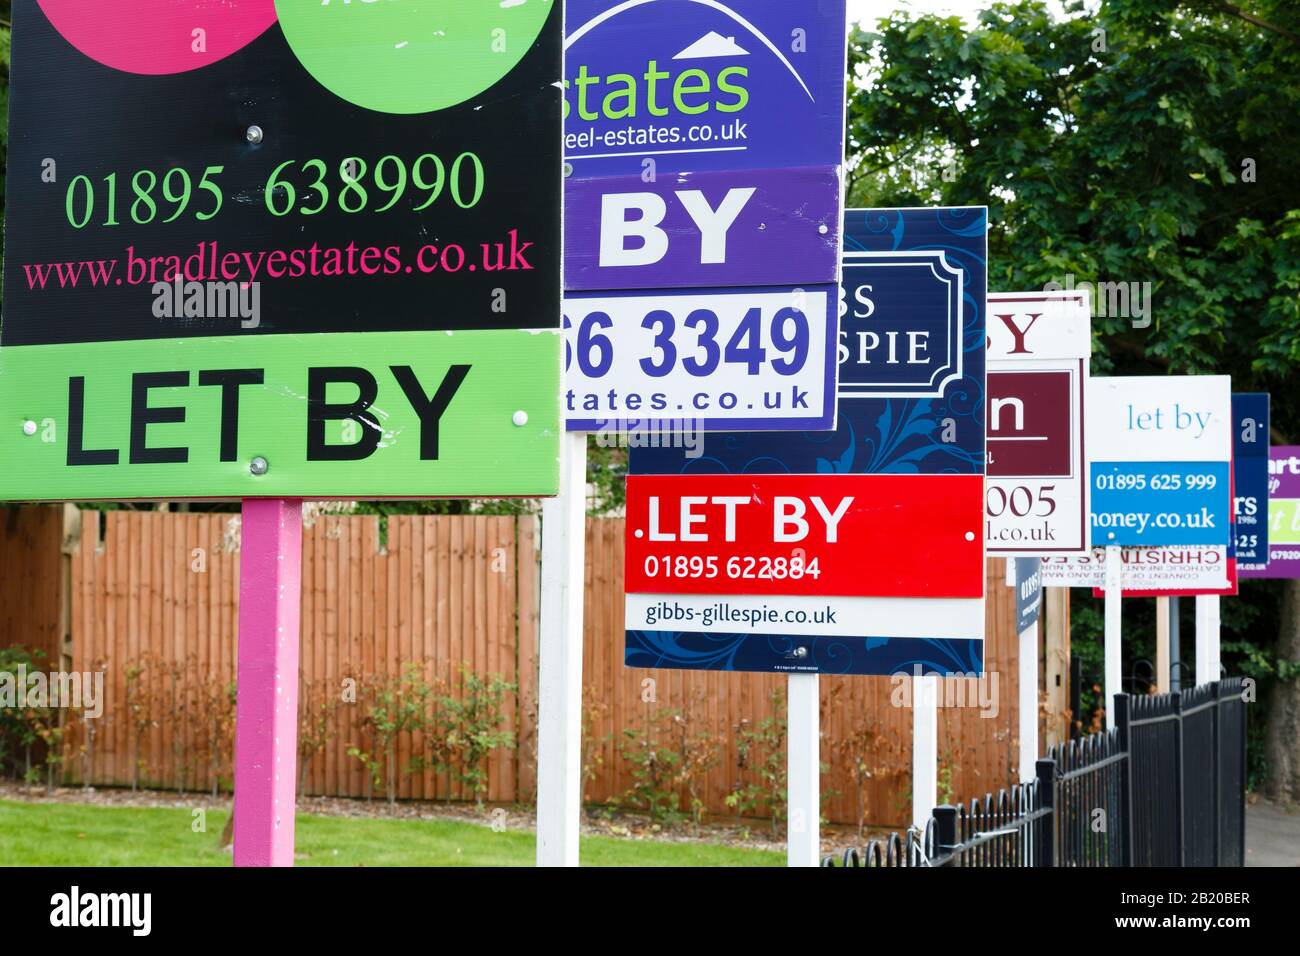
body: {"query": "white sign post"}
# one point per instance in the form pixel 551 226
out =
pixel 1029 593
pixel 1114 675
pixel 925 748
pixel 1207 638
pixel 559 690
pixel 803 771
pixel 1028 681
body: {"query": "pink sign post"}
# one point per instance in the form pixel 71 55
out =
pixel 266 714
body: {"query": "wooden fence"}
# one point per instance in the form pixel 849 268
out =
pixel 33 598
pixel 160 589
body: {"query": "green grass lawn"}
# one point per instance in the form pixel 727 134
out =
pixel 60 834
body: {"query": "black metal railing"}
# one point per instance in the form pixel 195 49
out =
pixel 1166 787
pixel 1091 800
pixel 1188 757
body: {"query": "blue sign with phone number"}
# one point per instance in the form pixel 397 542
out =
pixel 1136 503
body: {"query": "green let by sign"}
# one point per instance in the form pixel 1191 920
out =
pixel 271 249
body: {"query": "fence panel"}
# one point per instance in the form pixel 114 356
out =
pixel 1155 757
pixel 1165 788
pixel 1091 810
pixel 1231 745
pixel 1200 775
pixel 30 575
pixel 155 605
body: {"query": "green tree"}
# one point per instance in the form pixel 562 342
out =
pixel 1154 141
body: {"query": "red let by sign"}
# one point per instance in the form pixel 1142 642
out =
pixel 844 535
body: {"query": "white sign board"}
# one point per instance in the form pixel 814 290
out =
pixel 1144 569
pixel 1160 449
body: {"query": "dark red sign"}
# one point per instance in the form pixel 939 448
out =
pixel 1029 428
pixel 844 535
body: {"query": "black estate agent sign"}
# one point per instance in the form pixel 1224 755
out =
pixel 197 191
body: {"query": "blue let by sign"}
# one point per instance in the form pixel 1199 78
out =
pixel 911 356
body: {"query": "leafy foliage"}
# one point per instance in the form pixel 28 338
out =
pixel 1153 141
pixel 670 758
pixel 761 761
pixel 474 722
pixel 394 705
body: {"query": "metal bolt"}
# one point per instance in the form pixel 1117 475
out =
pixel 29 427
pixel 568 170
pixel 520 418
pixel 823 229
pixel 258 465
pixel 254 135
pixel 801 652
pixel 970 535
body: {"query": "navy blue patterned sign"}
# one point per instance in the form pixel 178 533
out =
pixel 1250 447
pixel 911 401
pixel 1029 592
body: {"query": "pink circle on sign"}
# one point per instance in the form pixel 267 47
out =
pixel 155 37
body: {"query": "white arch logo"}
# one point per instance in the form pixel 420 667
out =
pixel 712 4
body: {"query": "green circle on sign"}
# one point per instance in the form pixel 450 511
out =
pixel 410 56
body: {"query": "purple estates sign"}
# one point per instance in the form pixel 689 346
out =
pixel 704 150
pixel 704 140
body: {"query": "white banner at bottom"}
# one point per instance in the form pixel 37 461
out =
pixel 807 615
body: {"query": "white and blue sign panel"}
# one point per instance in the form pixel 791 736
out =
pixel 1160 450
pixel 1250 453
pixel 911 402
pixel 704 141
pixel 758 358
